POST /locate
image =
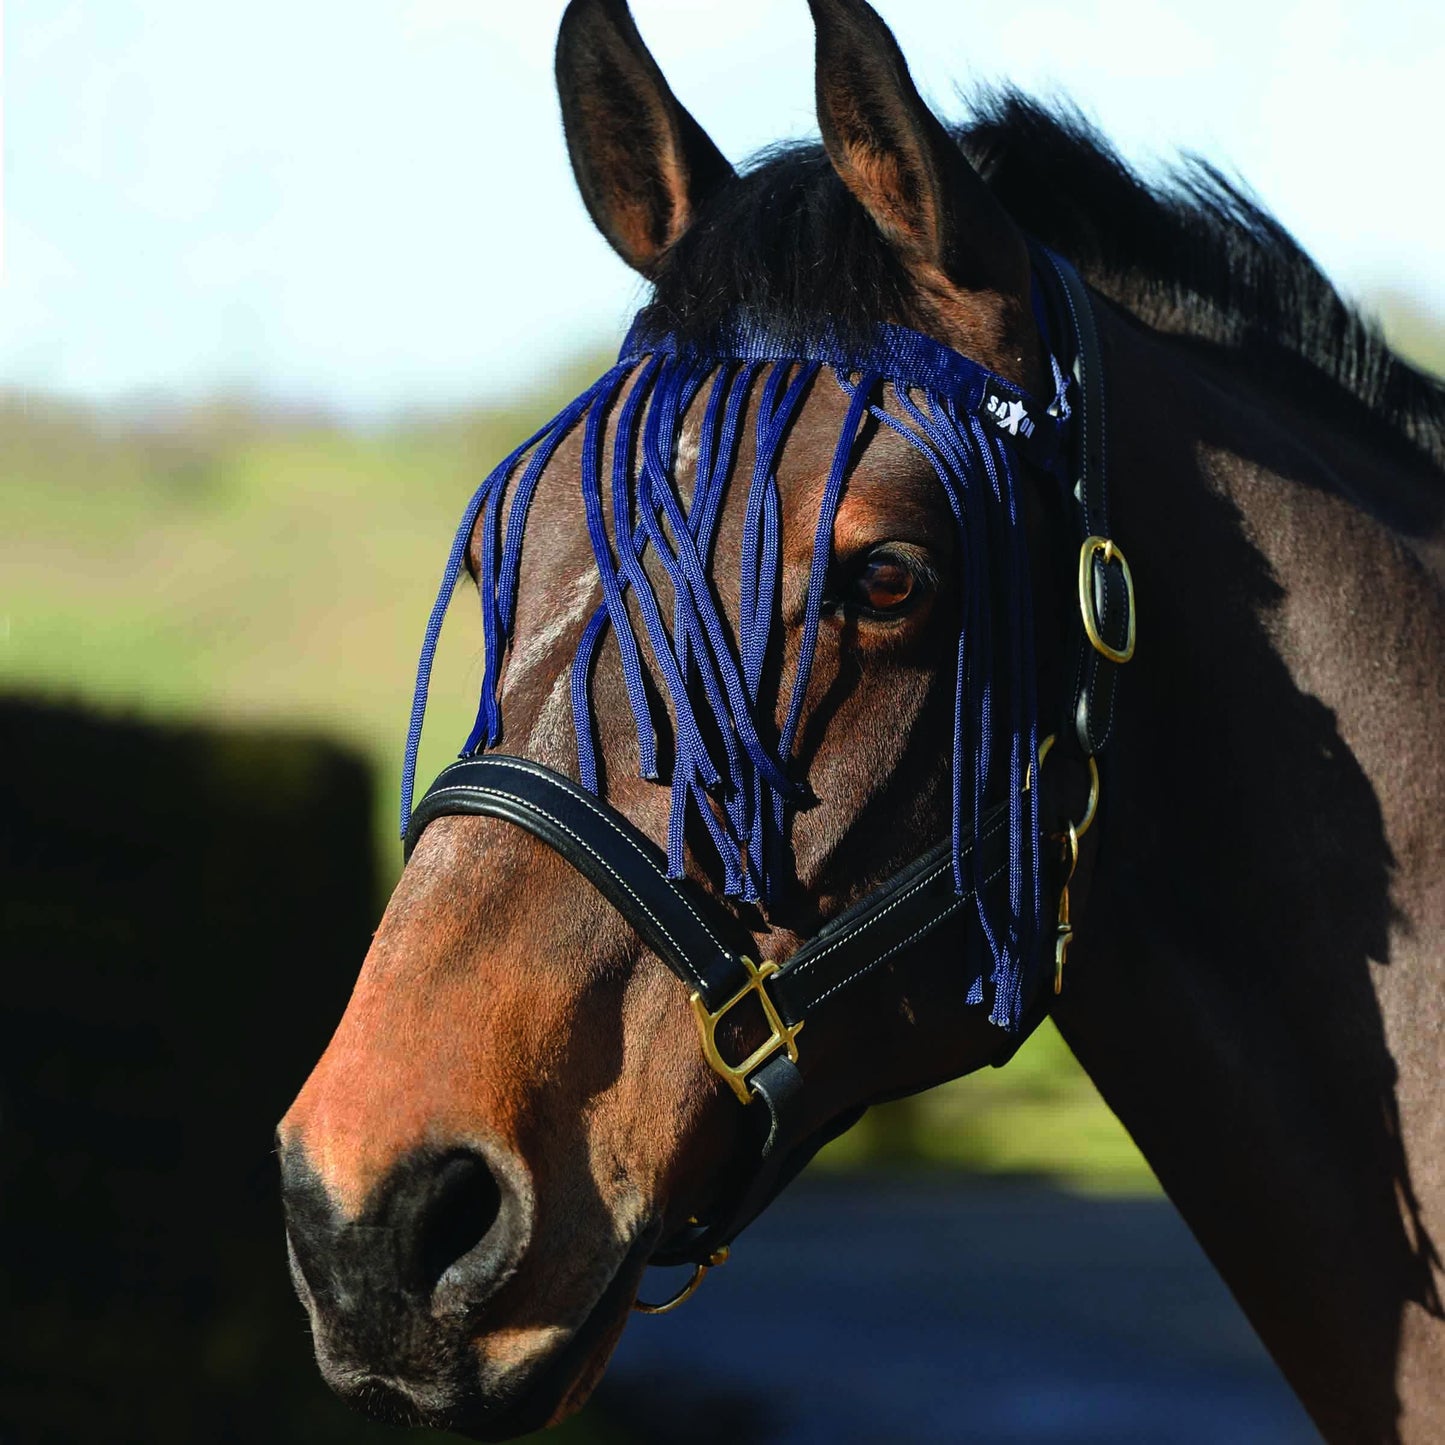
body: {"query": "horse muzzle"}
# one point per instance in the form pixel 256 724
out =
pixel 400 1293
pixel 422 1303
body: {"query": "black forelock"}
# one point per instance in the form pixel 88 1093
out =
pixel 785 243
pixel 1192 253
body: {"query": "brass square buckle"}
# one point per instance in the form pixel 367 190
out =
pixel 1104 547
pixel 781 1036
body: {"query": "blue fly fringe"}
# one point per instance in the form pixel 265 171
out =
pixel 731 767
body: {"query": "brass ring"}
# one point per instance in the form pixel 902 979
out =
pixel 681 1297
pixel 1092 807
pixel 717 1257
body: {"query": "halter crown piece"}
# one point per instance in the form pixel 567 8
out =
pixel 970 425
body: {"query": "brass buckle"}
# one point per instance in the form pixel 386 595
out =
pixel 781 1037
pixel 1111 553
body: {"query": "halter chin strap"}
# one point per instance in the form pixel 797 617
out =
pixel 707 947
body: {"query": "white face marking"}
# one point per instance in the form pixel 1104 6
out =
pixel 533 650
pixel 552 734
pixel 686 454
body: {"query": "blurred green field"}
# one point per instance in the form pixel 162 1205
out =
pixel 230 563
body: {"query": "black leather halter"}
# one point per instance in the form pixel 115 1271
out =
pixel 707 947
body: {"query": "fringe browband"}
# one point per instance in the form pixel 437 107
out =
pixel 966 421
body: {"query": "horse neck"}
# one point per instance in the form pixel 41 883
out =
pixel 1258 961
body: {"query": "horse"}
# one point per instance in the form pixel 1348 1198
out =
pixel 521 1106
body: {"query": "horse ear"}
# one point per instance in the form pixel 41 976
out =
pixel 895 156
pixel 642 163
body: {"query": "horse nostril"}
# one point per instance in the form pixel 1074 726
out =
pixel 454 1212
pixel 441 1232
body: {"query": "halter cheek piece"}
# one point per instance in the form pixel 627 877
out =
pixel 707 947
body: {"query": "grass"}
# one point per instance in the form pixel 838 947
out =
pixel 225 565
pixel 1037 1116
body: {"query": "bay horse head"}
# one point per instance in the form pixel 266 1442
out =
pixel 758 619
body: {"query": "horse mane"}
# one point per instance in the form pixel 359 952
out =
pixel 1192 254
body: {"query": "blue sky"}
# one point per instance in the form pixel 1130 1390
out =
pixel 367 206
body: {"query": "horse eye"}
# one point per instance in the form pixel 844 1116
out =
pixel 884 584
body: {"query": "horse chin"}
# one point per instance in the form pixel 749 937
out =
pixel 456 1382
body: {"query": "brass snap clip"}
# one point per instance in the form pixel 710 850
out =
pixel 1064 927
pixel 1064 935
